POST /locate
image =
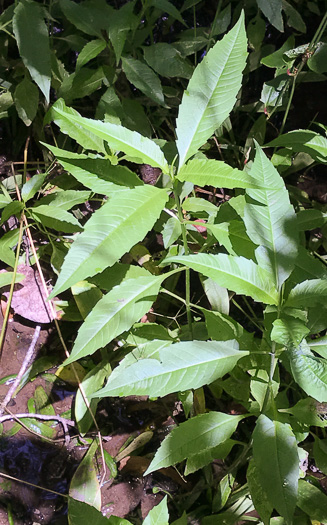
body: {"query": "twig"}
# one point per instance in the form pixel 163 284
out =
pixel 43 417
pixel 23 368
pixel 2 474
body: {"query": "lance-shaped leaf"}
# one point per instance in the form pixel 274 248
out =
pixel 277 464
pixel 97 174
pixel 309 372
pixel 313 502
pixel 76 131
pixel 304 140
pixel 56 218
pixel 158 515
pixel 144 79
pixel 110 232
pixel 116 312
pixel 241 275
pixel 218 174
pixel 181 366
pixel 141 149
pixel 32 38
pixel 201 433
pixel 308 293
pixel 211 92
pixel 270 220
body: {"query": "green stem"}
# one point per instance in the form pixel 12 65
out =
pixel 6 317
pixel 213 24
pixel 318 34
pixel 187 272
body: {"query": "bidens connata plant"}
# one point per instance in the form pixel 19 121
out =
pixel 253 248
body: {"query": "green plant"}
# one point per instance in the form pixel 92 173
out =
pixel 254 257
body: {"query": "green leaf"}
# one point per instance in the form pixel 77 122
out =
pixel 317 62
pixel 308 293
pixel 84 485
pixel 200 433
pixel 294 19
pixel 56 218
pixel 32 38
pixel 97 174
pixel 270 220
pixel 308 412
pixel 144 79
pixel 7 277
pixel 121 22
pixel 79 513
pixel 82 83
pixel 167 61
pixel 172 230
pixel 116 312
pixel 258 495
pixel 64 199
pixel 32 186
pixel 8 241
pixel 310 219
pixel 182 366
pixel 90 384
pixel 76 131
pixel 26 98
pixel 277 463
pixel 319 345
pixel 272 9
pixel 216 173
pixel 312 501
pixel 86 296
pixel 288 331
pixel 168 7
pixel 89 16
pixel 158 515
pixel 211 92
pixel 320 453
pixel 203 458
pixel 110 232
pixel 309 372
pixel 90 50
pixel 241 275
pixel 303 140
pixel 142 149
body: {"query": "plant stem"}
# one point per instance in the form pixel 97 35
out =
pixel 213 24
pixel 6 317
pixel 187 271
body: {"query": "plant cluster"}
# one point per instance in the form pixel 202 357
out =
pixel 219 248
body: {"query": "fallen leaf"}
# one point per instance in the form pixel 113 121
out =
pixel 29 298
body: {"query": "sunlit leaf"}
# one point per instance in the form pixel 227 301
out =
pixel 270 220
pixel 203 432
pixel 182 366
pixel 241 275
pixel 110 232
pixel 142 149
pixel 211 92
pixel 277 464
pixel 84 485
pixel 309 372
pixel 32 38
pixel 116 312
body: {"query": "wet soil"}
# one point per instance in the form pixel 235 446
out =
pixel 51 465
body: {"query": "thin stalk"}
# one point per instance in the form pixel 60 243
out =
pixel 271 375
pixel 213 24
pixel 187 272
pixel 318 34
pixel 246 315
pixel 11 291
